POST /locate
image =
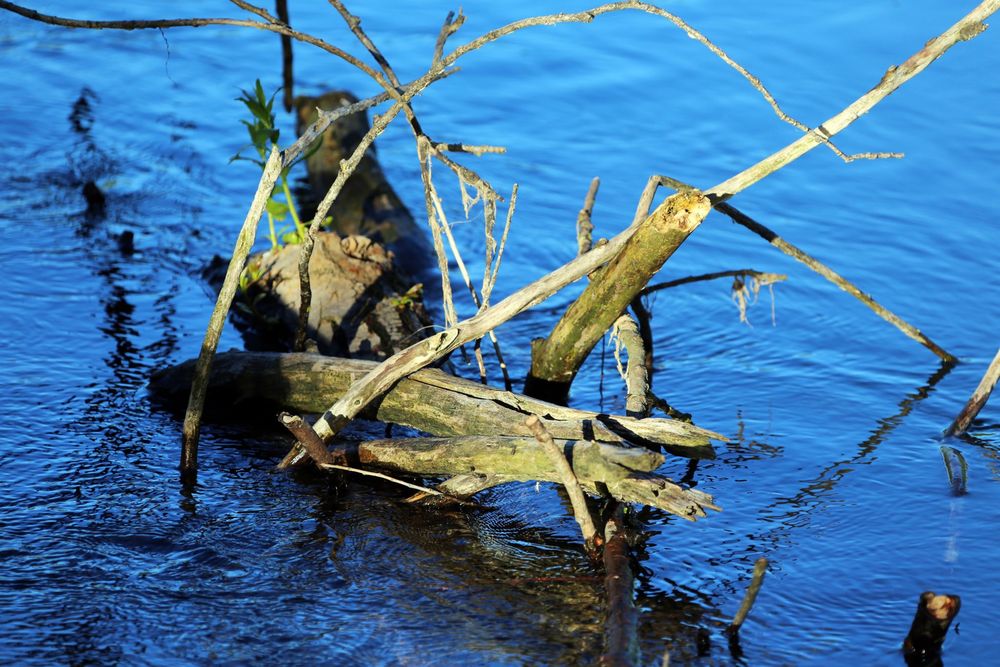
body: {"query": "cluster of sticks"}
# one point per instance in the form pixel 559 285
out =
pixel 665 228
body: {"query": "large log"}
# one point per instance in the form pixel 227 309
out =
pixel 429 400
pixel 624 471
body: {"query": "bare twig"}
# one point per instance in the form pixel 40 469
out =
pixel 272 25
pixel 759 570
pixel 436 223
pixel 370 473
pixel 466 148
pixel 450 26
pixel 965 29
pixel 584 226
pixel 589 15
pixel 978 398
pixel 579 502
pixel 446 228
pixel 738 273
pixel 490 277
pixel 199 385
pixel 254 9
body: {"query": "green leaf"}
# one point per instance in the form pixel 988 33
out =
pixel 277 208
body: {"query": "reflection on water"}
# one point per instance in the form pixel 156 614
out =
pixel 118 193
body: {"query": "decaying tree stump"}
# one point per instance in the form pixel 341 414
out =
pixel 935 613
pixel 364 272
pixel 363 306
pixel 429 400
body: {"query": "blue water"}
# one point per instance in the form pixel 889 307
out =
pixel 834 471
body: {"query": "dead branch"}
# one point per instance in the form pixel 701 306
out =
pixel 784 246
pixel 736 273
pixel 834 277
pixel 579 503
pixel 621 628
pixel 203 367
pixel 759 570
pixel 978 398
pixel 584 225
pixel 622 471
pixel 625 334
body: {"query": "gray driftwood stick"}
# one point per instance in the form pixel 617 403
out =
pixel 624 471
pixel 978 398
pixel 429 400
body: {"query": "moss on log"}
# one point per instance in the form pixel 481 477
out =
pixel 429 400
pixel 556 359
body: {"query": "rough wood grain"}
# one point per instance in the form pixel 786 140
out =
pixel 429 400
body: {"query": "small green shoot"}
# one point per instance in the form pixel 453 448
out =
pixel 263 136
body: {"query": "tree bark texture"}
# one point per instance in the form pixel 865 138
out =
pixel 556 359
pixel 429 400
pixel 625 472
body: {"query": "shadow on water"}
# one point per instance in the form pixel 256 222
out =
pixel 809 497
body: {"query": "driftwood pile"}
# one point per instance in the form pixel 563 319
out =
pixel 351 292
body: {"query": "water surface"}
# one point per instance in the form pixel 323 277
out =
pixel 834 471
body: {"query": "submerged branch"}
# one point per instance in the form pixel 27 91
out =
pixel 203 367
pixel 978 398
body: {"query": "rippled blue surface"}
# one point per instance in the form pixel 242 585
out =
pixel 834 470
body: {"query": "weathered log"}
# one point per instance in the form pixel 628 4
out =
pixel 429 400
pixel 556 359
pixel 623 471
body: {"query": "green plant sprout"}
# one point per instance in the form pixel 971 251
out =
pixel 263 136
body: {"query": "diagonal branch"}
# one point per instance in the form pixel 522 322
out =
pixel 376 382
